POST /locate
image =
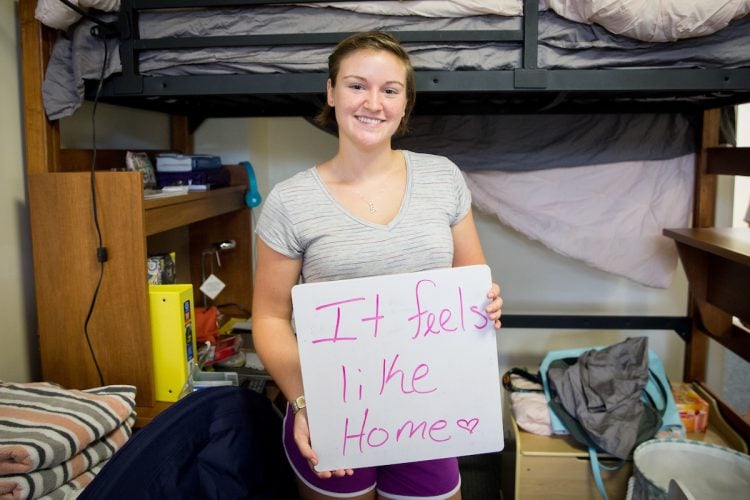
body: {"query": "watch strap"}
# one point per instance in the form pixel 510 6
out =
pixel 298 403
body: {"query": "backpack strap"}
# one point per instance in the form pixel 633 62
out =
pixel 596 467
pixel 521 372
pixel 662 392
pixel 653 413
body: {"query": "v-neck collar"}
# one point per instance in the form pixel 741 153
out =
pixel 401 210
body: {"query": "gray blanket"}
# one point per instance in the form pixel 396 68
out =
pixel 504 142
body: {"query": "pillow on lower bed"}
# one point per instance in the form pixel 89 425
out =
pixel 55 14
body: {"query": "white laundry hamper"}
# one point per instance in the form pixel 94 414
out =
pixel 702 470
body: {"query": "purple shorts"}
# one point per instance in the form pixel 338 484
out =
pixel 427 479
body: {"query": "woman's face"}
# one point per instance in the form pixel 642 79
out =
pixel 369 98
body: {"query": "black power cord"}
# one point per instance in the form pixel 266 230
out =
pixel 102 29
pixel 101 250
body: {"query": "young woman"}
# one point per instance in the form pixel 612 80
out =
pixel 370 210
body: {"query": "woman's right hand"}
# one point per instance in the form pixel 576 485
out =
pixel 302 438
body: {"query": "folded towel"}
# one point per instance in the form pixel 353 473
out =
pixel 72 472
pixel 73 489
pixel 43 425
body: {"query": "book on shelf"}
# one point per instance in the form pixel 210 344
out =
pixel 165 192
pixel 197 180
pixel 138 161
pixel 168 162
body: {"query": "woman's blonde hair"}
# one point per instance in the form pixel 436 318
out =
pixel 370 40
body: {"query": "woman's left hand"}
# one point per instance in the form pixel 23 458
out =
pixel 494 309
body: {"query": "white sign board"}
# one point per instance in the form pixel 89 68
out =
pixel 399 368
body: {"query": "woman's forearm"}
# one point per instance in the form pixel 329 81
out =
pixel 276 346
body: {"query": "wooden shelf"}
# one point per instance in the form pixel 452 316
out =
pixel 66 273
pixel 717 264
pixel 163 214
pixel 731 243
pixel 66 270
pixel 728 161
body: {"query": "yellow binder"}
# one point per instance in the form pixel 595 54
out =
pixel 172 338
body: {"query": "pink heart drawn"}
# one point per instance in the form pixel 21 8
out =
pixel 468 425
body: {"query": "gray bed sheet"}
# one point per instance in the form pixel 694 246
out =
pixel 77 56
pixel 522 143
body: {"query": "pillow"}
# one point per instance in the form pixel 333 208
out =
pixel 55 14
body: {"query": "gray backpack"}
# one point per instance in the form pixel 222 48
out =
pixel 601 399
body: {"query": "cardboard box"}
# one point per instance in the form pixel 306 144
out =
pixel 172 339
pixel 693 409
pixel 161 269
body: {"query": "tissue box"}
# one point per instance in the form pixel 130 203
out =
pixel 693 409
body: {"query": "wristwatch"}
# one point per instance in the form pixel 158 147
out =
pixel 298 403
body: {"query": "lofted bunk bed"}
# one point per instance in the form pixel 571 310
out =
pixel 523 61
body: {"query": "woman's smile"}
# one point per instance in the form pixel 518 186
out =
pixel 369 121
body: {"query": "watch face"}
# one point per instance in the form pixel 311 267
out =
pixel 298 404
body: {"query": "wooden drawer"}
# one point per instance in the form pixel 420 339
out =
pixel 555 467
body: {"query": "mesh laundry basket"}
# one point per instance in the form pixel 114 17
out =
pixel 704 471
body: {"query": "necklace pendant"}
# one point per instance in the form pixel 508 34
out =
pixel 371 207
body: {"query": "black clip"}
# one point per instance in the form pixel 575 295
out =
pixel 104 31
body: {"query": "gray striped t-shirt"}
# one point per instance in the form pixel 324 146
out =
pixel 300 219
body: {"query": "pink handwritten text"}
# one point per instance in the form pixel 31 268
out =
pixel 375 437
pixel 446 320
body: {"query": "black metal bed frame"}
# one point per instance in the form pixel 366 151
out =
pixel 527 89
pixel 679 324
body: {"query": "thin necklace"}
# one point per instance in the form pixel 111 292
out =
pixel 370 201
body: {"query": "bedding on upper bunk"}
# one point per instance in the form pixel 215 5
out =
pixel 77 56
pixel 654 20
pixel 647 20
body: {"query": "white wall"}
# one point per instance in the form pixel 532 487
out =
pixel 116 128
pixel 19 358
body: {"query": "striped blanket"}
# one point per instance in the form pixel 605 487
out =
pixel 53 440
